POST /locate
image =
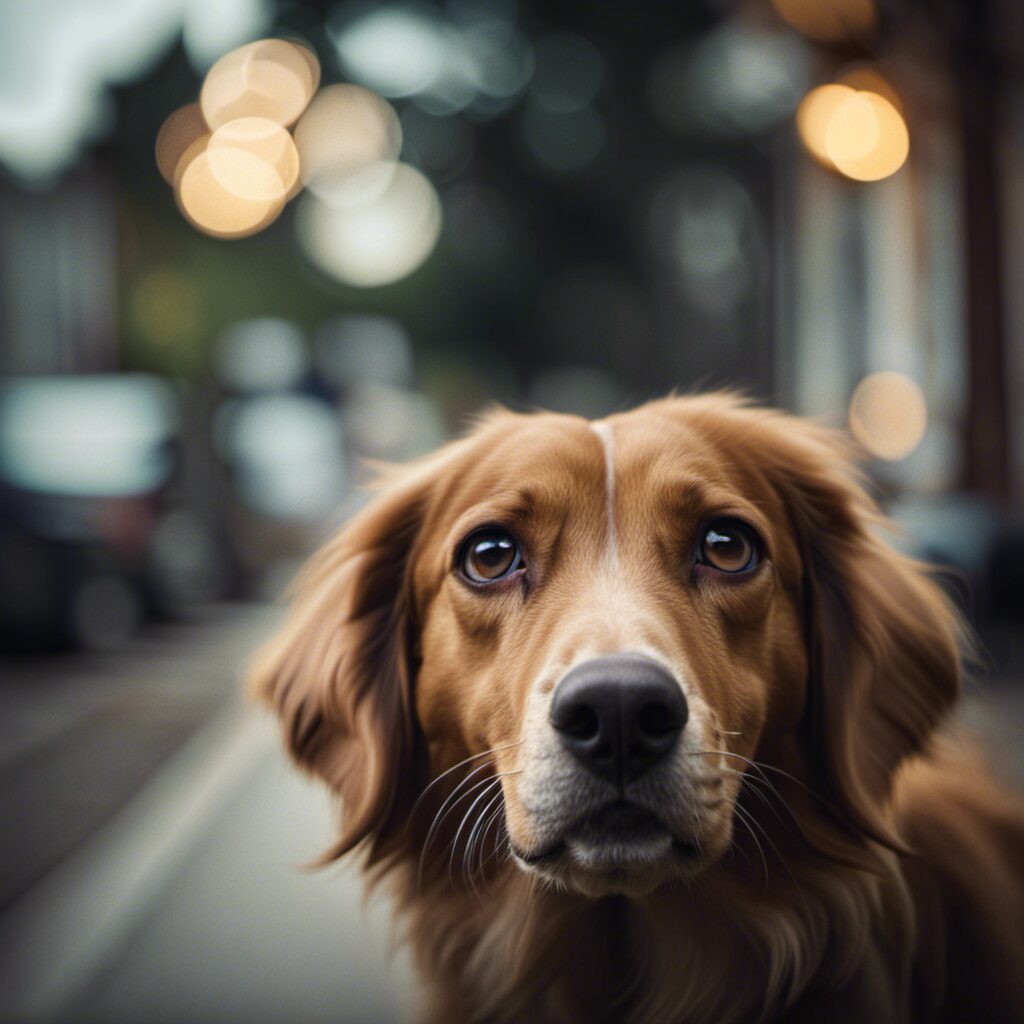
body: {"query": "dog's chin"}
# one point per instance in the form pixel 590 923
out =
pixel 620 850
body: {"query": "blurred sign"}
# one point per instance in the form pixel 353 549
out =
pixel 100 436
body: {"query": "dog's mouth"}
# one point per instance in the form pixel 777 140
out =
pixel 618 837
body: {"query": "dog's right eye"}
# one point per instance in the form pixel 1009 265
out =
pixel 490 555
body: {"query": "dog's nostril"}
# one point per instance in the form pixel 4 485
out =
pixel 657 721
pixel 581 723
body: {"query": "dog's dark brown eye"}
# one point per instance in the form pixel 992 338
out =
pixel 490 555
pixel 729 546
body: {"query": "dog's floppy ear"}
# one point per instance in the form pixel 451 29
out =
pixel 882 638
pixel 340 672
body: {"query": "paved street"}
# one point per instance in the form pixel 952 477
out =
pixel 176 893
pixel 154 836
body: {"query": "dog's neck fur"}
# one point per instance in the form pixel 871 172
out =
pixel 685 954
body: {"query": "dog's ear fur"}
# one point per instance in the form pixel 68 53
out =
pixel 883 640
pixel 340 673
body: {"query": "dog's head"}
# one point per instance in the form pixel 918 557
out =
pixel 592 633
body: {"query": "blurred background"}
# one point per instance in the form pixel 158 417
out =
pixel 246 245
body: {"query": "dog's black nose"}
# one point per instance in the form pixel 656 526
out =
pixel 619 715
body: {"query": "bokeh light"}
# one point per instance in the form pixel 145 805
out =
pixel 371 220
pixel 286 453
pixel 867 139
pixel 856 132
pixel 888 415
pixel 253 158
pixel 379 229
pixel 345 128
pixel 211 208
pixel 361 348
pixel 184 127
pixel 271 78
pixel 814 115
pixel 261 354
pixel 395 51
pixel 393 423
pixel 185 160
pixel 443 64
pixel 742 78
pixel 829 21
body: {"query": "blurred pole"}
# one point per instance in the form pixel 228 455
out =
pixel 978 77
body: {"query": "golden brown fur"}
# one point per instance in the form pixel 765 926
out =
pixel 856 870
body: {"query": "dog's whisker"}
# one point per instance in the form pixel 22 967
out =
pixel 454 798
pixel 465 760
pixel 782 860
pixel 754 783
pixel 744 816
pixel 497 813
pixel 459 793
pixel 760 767
pixel 486 792
pixel 475 841
pixel 476 832
pixel 503 852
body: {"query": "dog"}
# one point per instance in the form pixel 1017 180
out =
pixel 644 720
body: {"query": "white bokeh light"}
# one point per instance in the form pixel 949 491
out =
pixel 374 235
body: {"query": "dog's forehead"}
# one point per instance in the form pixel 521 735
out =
pixel 548 460
pixel 656 453
pixel 536 460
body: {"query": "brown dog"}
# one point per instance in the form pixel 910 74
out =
pixel 639 719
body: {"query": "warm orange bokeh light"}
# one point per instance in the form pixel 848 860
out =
pixel 271 78
pixel 186 158
pixel 867 116
pixel 254 158
pixel 176 135
pixel 216 211
pixel 814 114
pixel 829 21
pixel 856 132
pixel 853 130
pixel 888 415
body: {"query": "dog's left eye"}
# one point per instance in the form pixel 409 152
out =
pixel 728 546
pixel 490 555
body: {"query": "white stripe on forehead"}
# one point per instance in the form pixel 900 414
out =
pixel 603 429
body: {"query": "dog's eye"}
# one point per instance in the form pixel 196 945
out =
pixel 729 546
pixel 490 555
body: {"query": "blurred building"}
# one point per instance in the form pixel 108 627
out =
pixel 593 205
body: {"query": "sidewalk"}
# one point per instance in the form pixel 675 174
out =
pixel 172 892
pixel 190 907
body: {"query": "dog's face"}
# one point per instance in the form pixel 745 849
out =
pixel 608 606
pixel 607 622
